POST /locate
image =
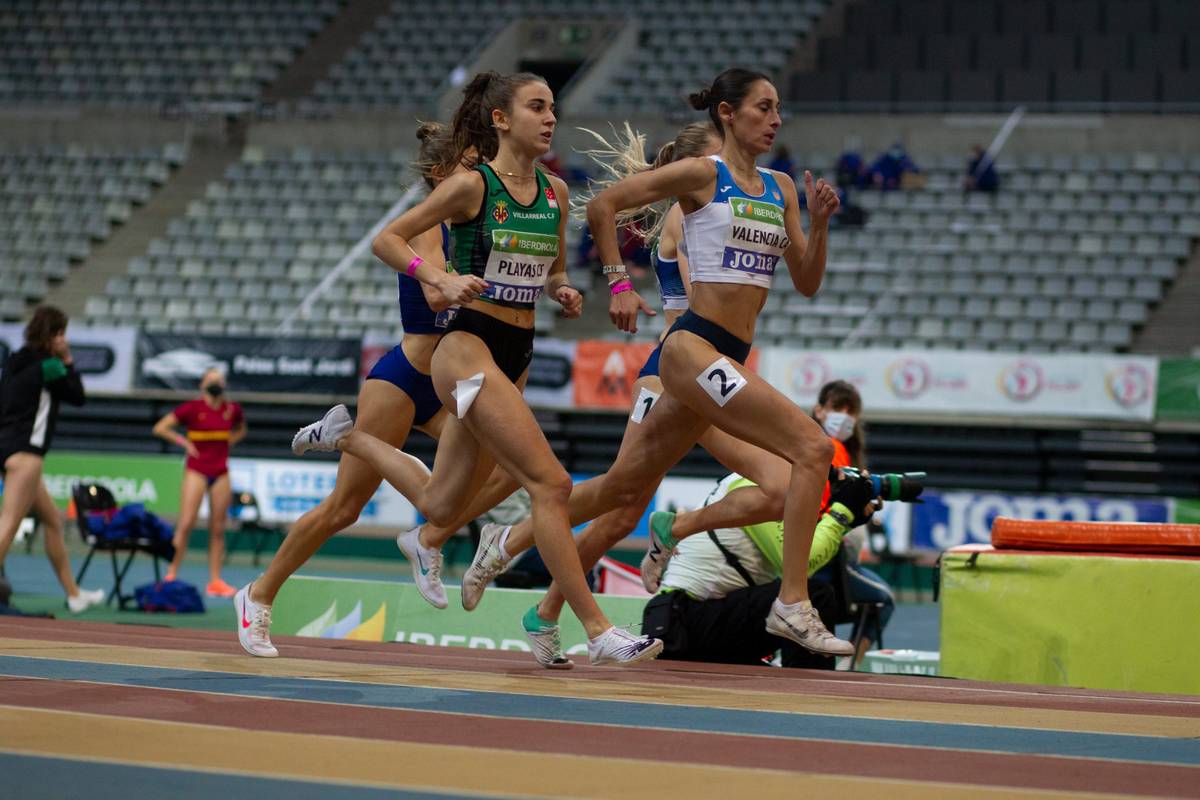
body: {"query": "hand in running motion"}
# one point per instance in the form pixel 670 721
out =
pixel 822 199
pixel 571 301
pixel 461 289
pixel 623 310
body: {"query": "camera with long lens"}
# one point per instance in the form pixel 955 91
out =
pixel 903 486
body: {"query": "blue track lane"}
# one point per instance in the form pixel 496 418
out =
pixel 983 738
pixel 37 777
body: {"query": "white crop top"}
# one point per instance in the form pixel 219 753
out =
pixel 737 237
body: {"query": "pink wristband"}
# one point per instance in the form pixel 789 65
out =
pixel 620 286
pixel 412 266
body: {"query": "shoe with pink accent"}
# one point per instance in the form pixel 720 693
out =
pixel 253 625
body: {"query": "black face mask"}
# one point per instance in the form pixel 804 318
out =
pixel 214 390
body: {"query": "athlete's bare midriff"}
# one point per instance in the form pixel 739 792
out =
pixel 733 306
pixel 519 317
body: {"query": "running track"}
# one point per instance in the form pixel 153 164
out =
pixel 114 711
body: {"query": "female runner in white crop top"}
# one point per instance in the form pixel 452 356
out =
pixel 736 233
pixel 702 360
pixel 760 501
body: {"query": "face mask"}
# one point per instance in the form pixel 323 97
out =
pixel 214 390
pixel 839 425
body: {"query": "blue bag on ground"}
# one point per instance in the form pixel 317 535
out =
pixel 176 597
pixel 133 521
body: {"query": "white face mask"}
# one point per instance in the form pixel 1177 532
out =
pixel 839 425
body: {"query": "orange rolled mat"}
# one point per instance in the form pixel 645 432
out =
pixel 1099 537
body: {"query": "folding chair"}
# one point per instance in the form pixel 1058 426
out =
pixel 244 509
pixel 95 500
pixel 850 610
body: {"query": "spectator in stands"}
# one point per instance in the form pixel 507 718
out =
pixel 892 167
pixel 851 169
pixel 213 424
pixel 36 379
pixel 981 172
pixel 718 589
pixel 782 162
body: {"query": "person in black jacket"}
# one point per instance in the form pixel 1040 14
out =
pixel 36 379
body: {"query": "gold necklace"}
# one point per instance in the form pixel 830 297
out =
pixel 515 175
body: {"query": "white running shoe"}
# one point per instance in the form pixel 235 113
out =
pixel 426 566
pixel 654 563
pixel 85 600
pixel 488 563
pixel 804 627
pixel 619 646
pixel 323 435
pixel 253 624
pixel 543 637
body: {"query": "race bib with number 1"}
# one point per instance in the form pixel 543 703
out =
pixel 641 407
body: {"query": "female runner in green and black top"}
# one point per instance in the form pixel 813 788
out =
pixel 508 226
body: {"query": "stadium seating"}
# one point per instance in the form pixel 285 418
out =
pixel 682 51
pixel 57 200
pixel 241 259
pixel 124 53
pixel 1061 54
pixel 1070 255
pixel 676 54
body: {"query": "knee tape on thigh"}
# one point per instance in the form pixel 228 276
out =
pixel 465 392
pixel 721 381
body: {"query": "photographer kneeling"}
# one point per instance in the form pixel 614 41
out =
pixel 718 588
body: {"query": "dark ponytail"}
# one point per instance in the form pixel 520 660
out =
pixel 472 125
pixel 731 87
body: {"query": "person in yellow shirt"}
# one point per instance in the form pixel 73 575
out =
pixel 717 587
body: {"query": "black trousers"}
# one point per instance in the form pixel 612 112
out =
pixel 732 629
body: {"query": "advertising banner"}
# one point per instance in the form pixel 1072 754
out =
pixel 605 373
pixel 291 365
pixel 103 356
pixel 1178 390
pixel 935 382
pixel 286 488
pixel 386 611
pixel 950 518
pixel 551 377
pixel 149 479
